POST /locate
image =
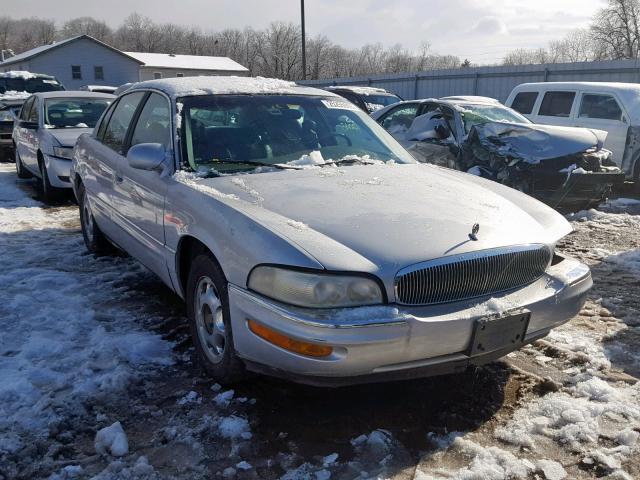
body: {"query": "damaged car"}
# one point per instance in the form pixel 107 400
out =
pixel 308 244
pixel 368 99
pixel 565 167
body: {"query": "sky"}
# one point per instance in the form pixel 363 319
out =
pixel 480 30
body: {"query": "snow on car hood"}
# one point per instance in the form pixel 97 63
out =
pixel 534 143
pixel 386 216
pixel 68 136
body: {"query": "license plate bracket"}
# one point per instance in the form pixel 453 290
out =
pixel 492 334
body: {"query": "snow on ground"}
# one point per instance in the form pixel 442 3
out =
pixel 64 342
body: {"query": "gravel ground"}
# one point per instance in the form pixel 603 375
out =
pixel 87 342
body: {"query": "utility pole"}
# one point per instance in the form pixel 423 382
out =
pixel 304 46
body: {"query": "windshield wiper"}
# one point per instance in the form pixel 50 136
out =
pixel 281 166
pixel 348 160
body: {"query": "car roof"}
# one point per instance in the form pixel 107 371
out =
pixel 73 94
pixel 360 90
pixel 225 85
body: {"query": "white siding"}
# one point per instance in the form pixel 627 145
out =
pixel 146 73
pixel 117 68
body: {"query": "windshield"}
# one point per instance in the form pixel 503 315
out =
pixel 478 114
pixel 74 112
pixel 224 131
pixel 30 85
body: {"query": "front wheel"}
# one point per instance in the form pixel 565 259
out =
pixel 20 170
pixel 94 239
pixel 209 319
pixel 50 194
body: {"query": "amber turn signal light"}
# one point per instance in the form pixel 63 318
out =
pixel 296 346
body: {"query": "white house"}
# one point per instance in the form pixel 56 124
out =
pixel 165 65
pixel 83 60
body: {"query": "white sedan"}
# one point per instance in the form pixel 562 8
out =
pixel 46 132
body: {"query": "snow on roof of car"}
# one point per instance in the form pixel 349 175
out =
pixel 360 90
pixel 187 62
pixel 73 94
pixel 218 85
pixel 23 74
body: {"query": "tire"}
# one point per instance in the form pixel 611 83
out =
pixel 94 239
pixel 50 194
pixel 209 321
pixel 20 170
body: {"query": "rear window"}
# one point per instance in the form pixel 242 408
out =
pixel 557 104
pixel 524 102
pixel 600 106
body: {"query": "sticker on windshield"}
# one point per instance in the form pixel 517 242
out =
pixel 341 104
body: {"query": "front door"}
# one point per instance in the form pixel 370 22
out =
pixel 139 195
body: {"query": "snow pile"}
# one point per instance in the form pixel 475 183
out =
pixel 194 181
pixel 240 183
pixel 314 158
pixel 629 261
pixel 297 225
pixel 234 427
pixel 12 95
pixel 223 399
pixel 63 338
pixel 112 440
pixel 122 470
pixel 605 219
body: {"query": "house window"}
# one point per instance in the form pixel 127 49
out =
pixel 157 75
pixel 179 74
pixel 76 72
pixel 98 72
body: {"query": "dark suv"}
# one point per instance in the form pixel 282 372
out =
pixel 15 88
pixel 368 99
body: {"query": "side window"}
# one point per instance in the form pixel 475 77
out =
pixel 26 108
pixel 399 119
pixel 557 104
pixel 524 102
pixel 98 72
pixel 116 130
pixel 600 106
pixel 33 113
pixel 104 122
pixel 154 122
pixel 76 72
pixel 352 97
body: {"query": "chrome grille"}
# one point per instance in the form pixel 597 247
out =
pixel 459 277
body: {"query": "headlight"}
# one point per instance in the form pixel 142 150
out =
pixel 314 290
pixel 63 152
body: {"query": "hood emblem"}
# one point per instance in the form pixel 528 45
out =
pixel 474 232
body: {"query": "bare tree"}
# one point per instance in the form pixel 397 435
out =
pixel 86 26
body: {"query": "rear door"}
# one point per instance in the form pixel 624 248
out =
pixel 100 159
pixel 556 107
pixel 139 195
pixel 30 138
pixel 604 112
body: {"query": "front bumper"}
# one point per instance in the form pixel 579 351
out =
pixel 58 169
pixel 398 342
pixel 576 191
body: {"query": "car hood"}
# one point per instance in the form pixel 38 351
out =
pixel 385 217
pixel 67 136
pixel 535 143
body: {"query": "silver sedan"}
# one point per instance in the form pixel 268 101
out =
pixel 46 131
pixel 308 244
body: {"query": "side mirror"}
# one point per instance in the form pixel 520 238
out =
pixel 146 156
pixel 28 125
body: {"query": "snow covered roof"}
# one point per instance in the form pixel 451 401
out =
pixel 22 74
pixel 73 94
pixel 360 90
pixel 190 86
pixel 187 62
pixel 34 52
